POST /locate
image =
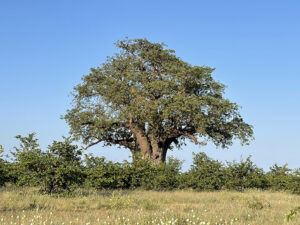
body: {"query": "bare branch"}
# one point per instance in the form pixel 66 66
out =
pixel 129 143
pixel 192 137
pixel 92 144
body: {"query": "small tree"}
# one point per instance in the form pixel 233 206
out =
pixel 27 166
pixel 244 175
pixel 205 173
pixel 283 178
pixel 147 99
pixel 3 167
pixel 63 167
pixel 103 174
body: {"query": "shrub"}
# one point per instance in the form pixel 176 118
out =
pixel 147 175
pixel 255 204
pixel 295 182
pixel 60 169
pixel 292 214
pixel 168 175
pixel 62 165
pixel 3 168
pixel 101 174
pixel 279 177
pixel 141 173
pixel 283 178
pixel 205 174
pixel 27 165
pixel 245 174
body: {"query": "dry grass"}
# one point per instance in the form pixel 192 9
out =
pixel 27 206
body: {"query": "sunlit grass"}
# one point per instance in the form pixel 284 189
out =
pixel 27 206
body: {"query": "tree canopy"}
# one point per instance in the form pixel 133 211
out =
pixel 147 99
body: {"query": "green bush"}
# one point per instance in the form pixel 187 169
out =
pixel 255 204
pixel 295 182
pixel 141 173
pixel 283 178
pixel 62 167
pixel 3 168
pixel 2 172
pixel 244 175
pixel 205 174
pixel 101 174
pixel 168 175
pixel 27 165
pixel 145 174
pixel 291 215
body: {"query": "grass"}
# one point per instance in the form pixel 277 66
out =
pixel 26 206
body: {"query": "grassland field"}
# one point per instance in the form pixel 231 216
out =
pixel 27 206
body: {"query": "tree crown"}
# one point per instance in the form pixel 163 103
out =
pixel 146 87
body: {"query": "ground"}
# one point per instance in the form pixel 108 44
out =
pixel 26 206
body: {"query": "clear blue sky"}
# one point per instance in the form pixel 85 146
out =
pixel 47 46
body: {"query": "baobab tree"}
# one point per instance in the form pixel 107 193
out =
pixel 148 100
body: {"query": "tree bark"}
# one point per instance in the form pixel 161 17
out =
pixel 150 146
pixel 142 144
pixel 158 150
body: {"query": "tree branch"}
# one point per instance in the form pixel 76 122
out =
pixel 92 144
pixel 129 143
pixel 189 132
pixel 192 137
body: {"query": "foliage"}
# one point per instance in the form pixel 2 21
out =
pixel 244 175
pixel 63 170
pixel 279 176
pixel 57 170
pixel 101 174
pixel 28 164
pixel 295 181
pixel 147 99
pixel 205 174
pixel 292 214
pixel 283 178
pixel 141 173
pixel 255 204
pixel 3 168
pixel 149 176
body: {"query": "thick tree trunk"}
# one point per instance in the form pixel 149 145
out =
pixel 156 153
pixel 142 144
pixel 158 150
pixel 152 149
pixel 159 155
pixel 149 146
